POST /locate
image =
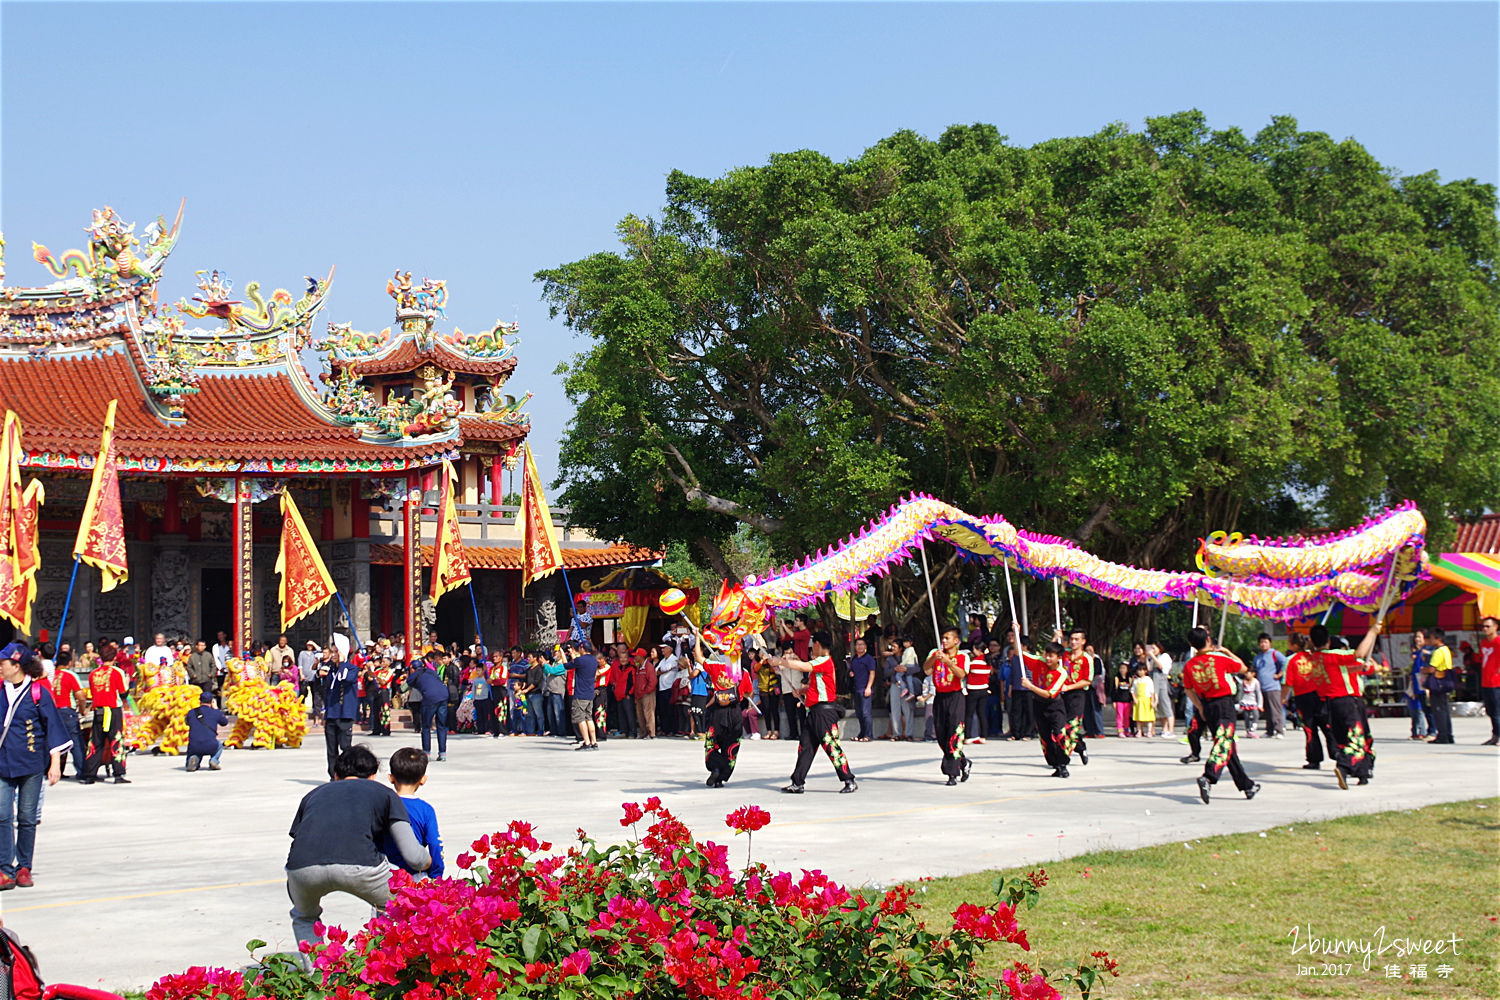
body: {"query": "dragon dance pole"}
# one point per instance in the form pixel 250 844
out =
pixel 937 635
pixel 1056 606
pixel 1011 595
pixel 1224 614
pixel 1025 617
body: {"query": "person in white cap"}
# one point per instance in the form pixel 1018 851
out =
pixel 338 679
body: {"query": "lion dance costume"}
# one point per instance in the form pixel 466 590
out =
pixel 165 700
pixel 274 715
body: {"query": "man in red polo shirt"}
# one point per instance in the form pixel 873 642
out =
pixel 823 714
pixel 1354 752
pixel 1045 676
pixel 1206 680
pixel 948 666
pixel 1489 675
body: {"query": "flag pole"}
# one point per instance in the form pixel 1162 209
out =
pixel 350 619
pixel 478 632
pixel 68 601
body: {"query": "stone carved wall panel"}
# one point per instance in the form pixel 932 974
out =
pixel 170 604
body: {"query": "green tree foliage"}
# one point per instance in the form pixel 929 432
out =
pixel 1129 339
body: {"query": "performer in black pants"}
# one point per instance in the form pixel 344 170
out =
pixel 1051 713
pixel 947 667
pixel 821 727
pixel 1354 753
pixel 1075 692
pixel 1205 677
pixel 724 719
pixel 1303 682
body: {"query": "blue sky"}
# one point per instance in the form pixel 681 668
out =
pixel 482 142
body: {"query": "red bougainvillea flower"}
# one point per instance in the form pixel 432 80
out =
pixel 747 819
pixel 1035 988
pixel 199 981
pixel 998 924
pixel 633 813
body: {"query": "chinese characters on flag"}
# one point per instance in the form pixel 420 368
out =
pixel 305 583
pixel 450 568
pixel 101 533
pixel 19 554
pixel 539 552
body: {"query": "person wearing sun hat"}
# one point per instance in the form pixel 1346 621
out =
pixel 32 743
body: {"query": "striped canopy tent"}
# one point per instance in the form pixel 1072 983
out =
pixel 1476 572
pixel 1431 603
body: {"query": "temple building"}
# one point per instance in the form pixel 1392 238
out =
pixel 217 418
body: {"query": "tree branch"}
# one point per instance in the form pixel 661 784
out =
pixel 695 493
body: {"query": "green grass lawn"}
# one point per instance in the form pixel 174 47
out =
pixel 1213 919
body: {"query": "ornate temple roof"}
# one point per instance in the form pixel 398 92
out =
pixel 403 353
pixel 233 398
pixel 239 422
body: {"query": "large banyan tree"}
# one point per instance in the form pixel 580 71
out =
pixel 1129 339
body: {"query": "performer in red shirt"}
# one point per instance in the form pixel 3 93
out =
pixel 823 715
pixel 948 666
pixel 1489 675
pixel 1304 686
pixel 1206 680
pixel 1080 679
pixel 724 719
pixel 1045 677
pixel 108 685
pixel 1354 752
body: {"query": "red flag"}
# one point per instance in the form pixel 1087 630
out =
pixel 305 583
pixel 101 533
pixel 20 554
pixel 539 552
pixel 450 568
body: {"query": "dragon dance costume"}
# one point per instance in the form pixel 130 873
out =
pixel 165 699
pixel 725 719
pixel 274 716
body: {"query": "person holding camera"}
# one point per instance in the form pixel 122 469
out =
pixel 339 681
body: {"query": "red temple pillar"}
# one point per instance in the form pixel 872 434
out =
pixel 243 566
pixel 171 518
pixel 497 489
pixel 411 550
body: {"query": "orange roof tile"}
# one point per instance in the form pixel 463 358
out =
pixel 509 556
pixel 480 429
pixel 1482 535
pixel 407 356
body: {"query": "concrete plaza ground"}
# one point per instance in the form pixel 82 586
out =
pixel 176 869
